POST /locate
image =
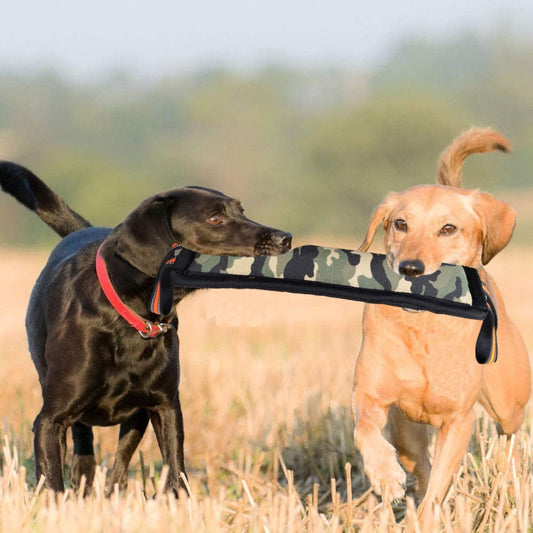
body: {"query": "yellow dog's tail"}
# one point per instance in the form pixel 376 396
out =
pixel 474 140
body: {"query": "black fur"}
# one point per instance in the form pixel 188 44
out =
pixel 35 195
pixel 94 369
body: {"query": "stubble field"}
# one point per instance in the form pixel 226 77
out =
pixel 265 391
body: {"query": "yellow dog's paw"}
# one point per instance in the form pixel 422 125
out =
pixel 387 477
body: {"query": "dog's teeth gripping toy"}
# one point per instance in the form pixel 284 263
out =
pixel 338 273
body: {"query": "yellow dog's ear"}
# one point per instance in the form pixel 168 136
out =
pixel 380 216
pixel 498 222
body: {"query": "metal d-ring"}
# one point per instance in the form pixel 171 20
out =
pixel 162 327
pixel 147 335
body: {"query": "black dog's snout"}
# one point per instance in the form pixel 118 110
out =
pixel 273 242
pixel 283 239
pixel 412 268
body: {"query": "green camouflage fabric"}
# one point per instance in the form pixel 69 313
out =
pixel 453 289
pixel 337 266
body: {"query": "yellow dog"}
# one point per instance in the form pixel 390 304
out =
pixel 419 369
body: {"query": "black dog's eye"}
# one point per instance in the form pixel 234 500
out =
pixel 448 229
pixel 215 220
pixel 400 224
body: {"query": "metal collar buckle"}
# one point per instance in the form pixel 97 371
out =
pixel 154 330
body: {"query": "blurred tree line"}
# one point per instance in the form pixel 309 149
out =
pixel 312 151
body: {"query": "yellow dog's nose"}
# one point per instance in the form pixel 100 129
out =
pixel 411 267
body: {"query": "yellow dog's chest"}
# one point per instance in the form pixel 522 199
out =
pixel 432 362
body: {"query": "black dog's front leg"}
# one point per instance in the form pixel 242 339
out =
pixel 47 448
pixel 131 433
pixel 167 421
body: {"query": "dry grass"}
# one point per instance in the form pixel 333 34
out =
pixel 265 392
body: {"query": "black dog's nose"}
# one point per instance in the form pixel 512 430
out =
pixel 411 267
pixel 283 239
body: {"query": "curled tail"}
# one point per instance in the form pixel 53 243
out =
pixel 30 191
pixel 474 140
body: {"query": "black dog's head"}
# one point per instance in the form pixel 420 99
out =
pixel 209 222
pixel 200 219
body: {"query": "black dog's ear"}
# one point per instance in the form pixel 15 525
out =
pixel 145 235
pixel 207 189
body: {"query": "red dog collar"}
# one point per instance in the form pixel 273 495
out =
pixel 146 329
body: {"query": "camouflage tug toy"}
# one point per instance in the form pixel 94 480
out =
pixel 338 273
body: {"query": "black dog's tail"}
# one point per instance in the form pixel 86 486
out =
pixel 30 191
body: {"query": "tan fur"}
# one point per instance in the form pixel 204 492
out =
pixel 474 140
pixel 420 368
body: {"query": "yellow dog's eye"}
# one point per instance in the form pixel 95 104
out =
pixel 400 224
pixel 448 229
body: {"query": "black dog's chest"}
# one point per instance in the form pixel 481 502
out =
pixel 120 398
pixel 144 379
pixel 113 409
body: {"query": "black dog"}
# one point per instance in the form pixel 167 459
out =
pixel 94 368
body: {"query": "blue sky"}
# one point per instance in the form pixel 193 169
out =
pixel 86 39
